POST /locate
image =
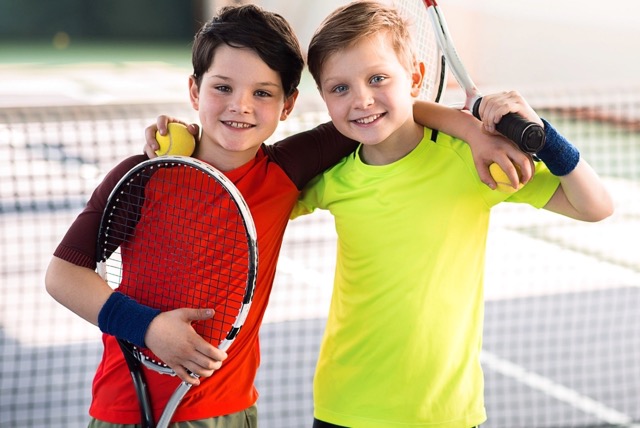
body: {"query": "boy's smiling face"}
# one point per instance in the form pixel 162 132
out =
pixel 369 93
pixel 240 101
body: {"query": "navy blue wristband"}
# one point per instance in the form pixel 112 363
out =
pixel 125 318
pixel 558 154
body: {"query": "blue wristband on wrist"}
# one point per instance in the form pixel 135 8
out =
pixel 558 154
pixel 125 318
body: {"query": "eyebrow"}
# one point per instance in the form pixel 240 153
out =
pixel 266 83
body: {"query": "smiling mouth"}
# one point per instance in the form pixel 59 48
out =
pixel 369 119
pixel 238 125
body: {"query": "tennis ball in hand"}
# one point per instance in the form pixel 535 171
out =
pixel 504 184
pixel 178 141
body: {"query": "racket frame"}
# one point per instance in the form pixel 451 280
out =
pixel 133 356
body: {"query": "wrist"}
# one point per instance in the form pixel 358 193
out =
pixel 468 128
pixel 125 318
pixel 558 154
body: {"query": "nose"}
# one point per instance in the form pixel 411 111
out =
pixel 240 103
pixel 362 97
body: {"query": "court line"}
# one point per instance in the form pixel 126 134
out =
pixel 556 390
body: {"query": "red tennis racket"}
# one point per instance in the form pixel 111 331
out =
pixel 176 233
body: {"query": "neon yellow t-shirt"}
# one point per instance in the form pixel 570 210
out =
pixel 404 332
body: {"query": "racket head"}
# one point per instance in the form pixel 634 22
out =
pixel 426 48
pixel 176 233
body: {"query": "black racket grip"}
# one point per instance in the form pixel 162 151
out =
pixel 527 135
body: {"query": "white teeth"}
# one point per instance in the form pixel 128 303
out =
pixel 367 120
pixel 238 125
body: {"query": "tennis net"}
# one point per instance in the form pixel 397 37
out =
pixel 562 328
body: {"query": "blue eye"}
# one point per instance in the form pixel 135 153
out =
pixel 339 89
pixel 377 79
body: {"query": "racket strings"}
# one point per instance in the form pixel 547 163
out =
pixel 175 238
pixel 426 48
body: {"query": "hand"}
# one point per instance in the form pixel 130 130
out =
pixel 161 126
pixel 172 338
pixel 493 107
pixel 487 149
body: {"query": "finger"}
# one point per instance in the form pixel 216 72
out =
pixel 162 123
pixel 185 376
pixel 150 137
pixel 193 129
pixel 527 168
pixel 509 168
pixel 484 174
pixel 488 114
pixel 150 152
pixel 210 353
pixel 202 365
pixel 201 370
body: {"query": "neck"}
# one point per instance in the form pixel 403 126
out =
pixel 395 147
pixel 221 159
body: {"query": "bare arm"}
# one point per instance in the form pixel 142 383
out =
pixel 77 288
pixel 170 335
pixel 486 148
pixel 581 195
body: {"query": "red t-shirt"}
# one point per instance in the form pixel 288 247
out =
pixel 270 183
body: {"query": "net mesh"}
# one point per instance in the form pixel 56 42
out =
pixel 562 328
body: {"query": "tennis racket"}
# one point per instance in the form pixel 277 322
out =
pixel 176 233
pixel 436 46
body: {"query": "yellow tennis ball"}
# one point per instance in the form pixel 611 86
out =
pixel 178 141
pixel 504 184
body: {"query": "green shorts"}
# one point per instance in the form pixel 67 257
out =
pixel 247 418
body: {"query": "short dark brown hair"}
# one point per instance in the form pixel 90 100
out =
pixel 249 26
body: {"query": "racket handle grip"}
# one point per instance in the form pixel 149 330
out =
pixel 529 136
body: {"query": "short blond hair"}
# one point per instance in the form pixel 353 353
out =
pixel 354 22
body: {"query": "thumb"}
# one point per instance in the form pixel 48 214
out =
pixel 199 314
pixel 194 129
pixel 485 175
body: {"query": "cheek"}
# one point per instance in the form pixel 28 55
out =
pixel 335 107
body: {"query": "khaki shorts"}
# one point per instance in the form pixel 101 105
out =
pixel 247 418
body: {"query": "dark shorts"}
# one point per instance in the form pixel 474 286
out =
pixel 320 424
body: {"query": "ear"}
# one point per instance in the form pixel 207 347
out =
pixel 194 93
pixel 417 76
pixel 289 102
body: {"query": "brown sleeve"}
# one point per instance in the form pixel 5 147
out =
pixel 79 243
pixel 307 154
